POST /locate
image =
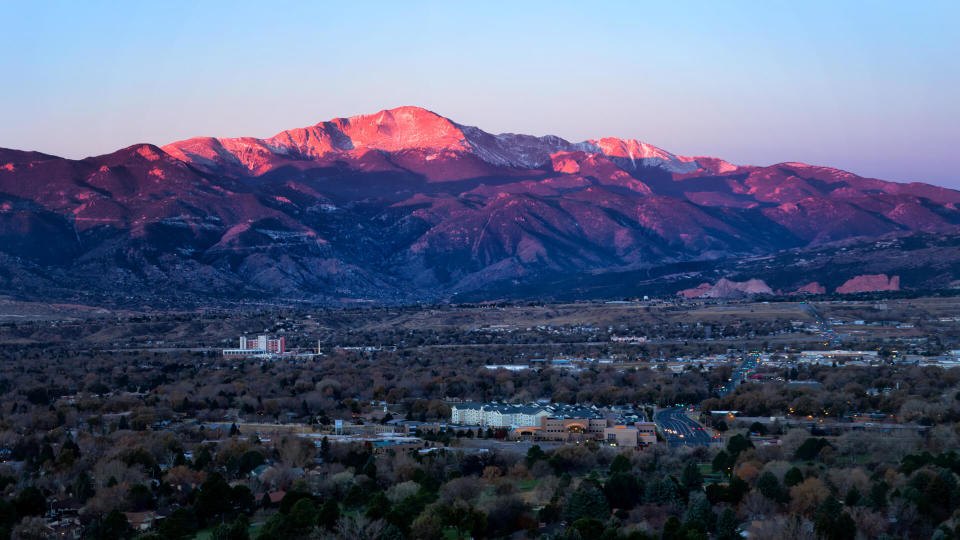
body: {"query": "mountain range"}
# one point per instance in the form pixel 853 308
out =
pixel 405 205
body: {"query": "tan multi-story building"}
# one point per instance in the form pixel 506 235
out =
pixel 590 429
pixel 571 429
pixel 638 434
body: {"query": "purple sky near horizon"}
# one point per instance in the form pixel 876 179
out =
pixel 870 87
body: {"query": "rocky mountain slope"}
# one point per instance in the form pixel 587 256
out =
pixel 405 205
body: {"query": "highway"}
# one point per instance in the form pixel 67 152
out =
pixel 681 430
pixel 749 363
pixel 825 330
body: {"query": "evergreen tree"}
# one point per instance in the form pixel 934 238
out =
pixel 700 514
pixel 238 530
pixel 810 449
pixel 378 507
pixel 769 486
pixel 588 527
pixel 140 498
pixel 621 464
pixel 793 477
pixel 664 491
pixel 181 523
pixel 355 497
pixel 727 526
pixel 277 527
pixel 242 499
pixel 69 444
pixel 738 443
pixel 716 493
pixel 370 468
pixel 691 476
pixel 832 523
pixel 214 497
pixel 673 530
pixel 878 495
pixel 534 454
pixel 737 488
pixel 249 461
pixel 329 514
pixel 304 516
pixel 586 502
pixel 852 497
pixel 203 459
pixel 324 448
pixel 722 463
pixel 46 454
pixel 114 527
pixel 83 487
pixel 622 490
pixel 291 498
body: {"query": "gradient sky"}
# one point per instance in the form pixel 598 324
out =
pixel 872 87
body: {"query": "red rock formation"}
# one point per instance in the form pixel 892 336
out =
pixel 812 288
pixel 703 288
pixel 728 289
pixel 870 283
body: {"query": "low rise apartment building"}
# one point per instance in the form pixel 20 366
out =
pixel 496 414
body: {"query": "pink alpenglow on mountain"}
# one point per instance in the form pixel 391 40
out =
pixel 406 205
pixel 870 283
pixel 412 138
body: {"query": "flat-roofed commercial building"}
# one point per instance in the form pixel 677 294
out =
pixel 557 422
pixel 572 429
pixel 262 345
pixel 589 429
pixel 639 434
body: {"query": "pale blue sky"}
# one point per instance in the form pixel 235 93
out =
pixel 871 86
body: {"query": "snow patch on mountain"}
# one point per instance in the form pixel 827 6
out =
pixel 416 129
